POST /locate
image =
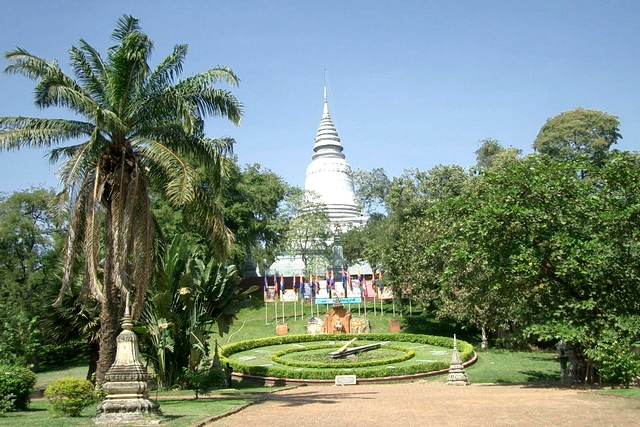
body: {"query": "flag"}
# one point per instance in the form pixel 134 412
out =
pixel 275 279
pixel 332 280
pixel 316 285
pixel 281 283
pixel 380 284
pixel 266 285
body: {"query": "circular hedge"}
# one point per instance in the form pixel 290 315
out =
pixel 328 373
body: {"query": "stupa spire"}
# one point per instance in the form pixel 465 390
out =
pixel 325 111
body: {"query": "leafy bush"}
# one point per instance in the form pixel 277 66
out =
pixel 6 403
pixel 69 396
pixel 205 379
pixel 18 382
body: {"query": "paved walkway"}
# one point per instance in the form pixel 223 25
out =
pixel 435 404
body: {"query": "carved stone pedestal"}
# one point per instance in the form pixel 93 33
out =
pixel 127 400
pixel 338 320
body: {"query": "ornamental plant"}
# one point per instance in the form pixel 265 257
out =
pixel 70 396
pixel 16 382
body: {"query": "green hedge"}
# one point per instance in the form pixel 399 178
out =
pixel 465 349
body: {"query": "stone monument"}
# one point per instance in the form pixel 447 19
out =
pixel 127 400
pixel 457 374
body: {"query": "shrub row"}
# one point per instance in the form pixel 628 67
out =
pixel 465 349
pixel 277 358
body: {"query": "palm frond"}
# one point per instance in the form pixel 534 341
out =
pixel 212 222
pixel 206 101
pixel 18 132
pixel 168 70
pixel 91 198
pixel 126 25
pixel 26 64
pixel 179 178
pixel 85 70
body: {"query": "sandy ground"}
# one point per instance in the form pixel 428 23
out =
pixel 435 404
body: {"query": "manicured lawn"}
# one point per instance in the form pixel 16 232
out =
pixel 178 413
pixel 508 366
pixel 181 409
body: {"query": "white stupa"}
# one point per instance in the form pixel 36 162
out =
pixel 329 175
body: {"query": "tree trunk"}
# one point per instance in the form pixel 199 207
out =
pixel 110 308
pixel 94 354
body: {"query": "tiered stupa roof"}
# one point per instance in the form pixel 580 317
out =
pixel 329 174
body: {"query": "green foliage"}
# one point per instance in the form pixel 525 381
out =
pixel 617 351
pixel 491 154
pixel 7 403
pixel 205 379
pixel 546 245
pixel 29 242
pixel 371 188
pixel 578 132
pixel 249 198
pixel 192 299
pixel 54 356
pixel 308 230
pixel 70 396
pixel 17 383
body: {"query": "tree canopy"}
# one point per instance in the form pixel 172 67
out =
pixel 578 132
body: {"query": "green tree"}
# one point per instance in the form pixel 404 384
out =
pixel 136 125
pixel 249 197
pixel 30 240
pixel 371 188
pixel 308 230
pixel 578 132
pixel 537 246
pixel 491 153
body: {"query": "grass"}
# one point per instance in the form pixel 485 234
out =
pixel 178 412
pixel 43 379
pixel 625 392
pixel 181 409
pixel 508 366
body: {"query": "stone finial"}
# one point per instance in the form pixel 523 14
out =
pixel 457 374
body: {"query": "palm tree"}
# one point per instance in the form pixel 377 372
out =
pixel 136 129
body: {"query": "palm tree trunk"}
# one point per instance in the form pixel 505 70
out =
pixel 94 354
pixel 110 308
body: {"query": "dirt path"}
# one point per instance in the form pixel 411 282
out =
pixel 435 404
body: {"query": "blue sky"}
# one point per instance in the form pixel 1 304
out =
pixel 412 84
